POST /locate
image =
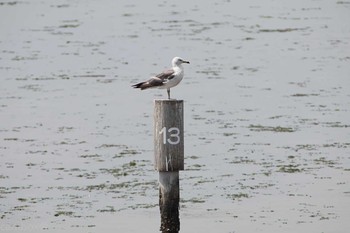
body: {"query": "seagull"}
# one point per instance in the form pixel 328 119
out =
pixel 167 79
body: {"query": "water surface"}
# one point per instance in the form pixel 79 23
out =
pixel 266 114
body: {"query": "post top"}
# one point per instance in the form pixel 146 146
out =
pixel 168 100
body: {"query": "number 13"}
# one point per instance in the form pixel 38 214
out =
pixel 174 137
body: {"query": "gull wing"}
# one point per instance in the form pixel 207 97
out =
pixel 156 81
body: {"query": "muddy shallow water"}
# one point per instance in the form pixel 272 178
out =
pixel 267 114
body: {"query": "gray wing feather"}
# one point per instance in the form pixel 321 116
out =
pixel 166 75
pixel 155 81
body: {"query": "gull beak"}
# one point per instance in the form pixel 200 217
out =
pixel 186 62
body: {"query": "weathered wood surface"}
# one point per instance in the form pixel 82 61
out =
pixel 168 135
pixel 169 196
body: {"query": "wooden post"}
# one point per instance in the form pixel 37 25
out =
pixel 168 135
pixel 169 197
pixel 169 159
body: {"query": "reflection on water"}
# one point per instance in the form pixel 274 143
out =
pixel 266 114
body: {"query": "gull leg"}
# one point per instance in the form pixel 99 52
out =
pixel 168 90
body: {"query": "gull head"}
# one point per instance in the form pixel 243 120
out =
pixel 178 61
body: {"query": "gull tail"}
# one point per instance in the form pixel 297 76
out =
pixel 142 85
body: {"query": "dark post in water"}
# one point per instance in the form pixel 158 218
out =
pixel 169 159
